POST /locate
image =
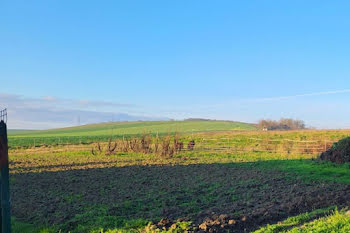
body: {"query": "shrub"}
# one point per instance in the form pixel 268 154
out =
pixel 339 152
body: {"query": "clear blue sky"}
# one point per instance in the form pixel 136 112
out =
pixel 216 59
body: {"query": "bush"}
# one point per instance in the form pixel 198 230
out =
pixel 339 152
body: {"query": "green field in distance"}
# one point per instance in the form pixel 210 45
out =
pixel 104 131
pixel 139 127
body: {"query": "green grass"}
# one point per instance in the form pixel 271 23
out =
pixel 135 128
pixel 332 221
pixel 235 135
pixel 104 131
pixel 21 227
pixel 310 170
pixel 338 221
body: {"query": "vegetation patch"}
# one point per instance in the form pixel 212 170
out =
pixel 228 195
pixel 337 221
pixel 73 190
pixel 339 152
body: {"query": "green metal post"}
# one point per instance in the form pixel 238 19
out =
pixel 5 184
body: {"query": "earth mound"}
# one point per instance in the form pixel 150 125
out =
pixel 339 152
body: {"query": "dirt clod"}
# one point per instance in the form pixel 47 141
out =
pixel 231 222
pixel 164 222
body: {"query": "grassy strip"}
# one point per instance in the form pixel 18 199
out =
pixel 180 227
pixel 310 170
pixel 131 128
pixel 21 227
pixel 338 221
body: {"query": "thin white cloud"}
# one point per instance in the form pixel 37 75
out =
pixel 243 102
pixel 54 102
pixel 303 95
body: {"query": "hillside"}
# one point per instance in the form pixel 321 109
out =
pixel 134 128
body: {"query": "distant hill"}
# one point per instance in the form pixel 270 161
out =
pixel 18 131
pixel 135 128
pixel 204 119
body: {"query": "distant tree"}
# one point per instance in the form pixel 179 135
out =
pixel 282 124
pixel 198 119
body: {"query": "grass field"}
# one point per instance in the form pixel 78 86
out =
pixel 102 132
pixel 131 128
pixel 67 188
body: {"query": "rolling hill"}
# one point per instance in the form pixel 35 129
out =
pixel 104 131
pixel 134 128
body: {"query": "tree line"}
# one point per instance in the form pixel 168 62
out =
pixel 282 124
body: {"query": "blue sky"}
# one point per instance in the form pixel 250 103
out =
pixel 235 60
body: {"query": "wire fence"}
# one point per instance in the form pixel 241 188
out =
pixel 220 145
pixel 268 145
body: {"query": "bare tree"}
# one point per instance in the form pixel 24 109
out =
pixel 282 124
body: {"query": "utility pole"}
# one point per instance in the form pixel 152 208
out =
pixel 5 184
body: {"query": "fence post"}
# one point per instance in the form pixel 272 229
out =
pixel 229 147
pixel 5 184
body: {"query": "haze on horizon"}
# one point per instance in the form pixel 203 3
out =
pixel 158 60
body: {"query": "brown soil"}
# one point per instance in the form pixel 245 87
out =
pixel 215 197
